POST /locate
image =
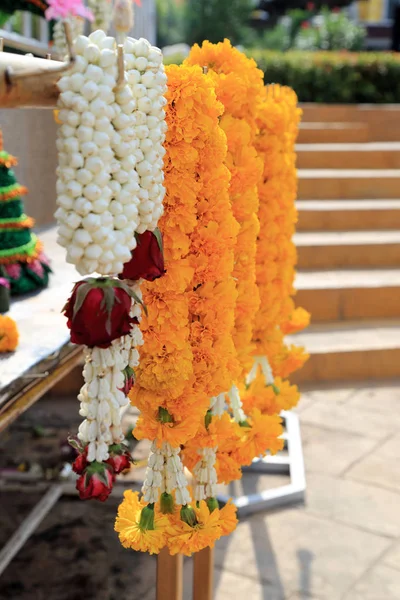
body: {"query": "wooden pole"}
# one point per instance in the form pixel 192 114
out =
pixel 203 574
pixel 29 82
pixel 169 576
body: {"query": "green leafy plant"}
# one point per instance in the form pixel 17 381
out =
pixel 215 20
pixel 330 31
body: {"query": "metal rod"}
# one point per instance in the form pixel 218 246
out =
pixel 28 526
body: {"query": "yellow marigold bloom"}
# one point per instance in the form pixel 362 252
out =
pixel 262 435
pixel 8 334
pixel 185 539
pixel 269 399
pixel 136 530
pixel 228 518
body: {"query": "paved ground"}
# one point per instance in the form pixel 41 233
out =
pixel 344 544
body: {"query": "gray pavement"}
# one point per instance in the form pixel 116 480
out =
pixel 344 544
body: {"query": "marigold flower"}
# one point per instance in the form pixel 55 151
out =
pixel 8 334
pixel 139 526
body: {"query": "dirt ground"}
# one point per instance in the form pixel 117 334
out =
pixel 74 554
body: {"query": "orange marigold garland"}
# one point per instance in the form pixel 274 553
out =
pixel 239 86
pixel 278 120
pixel 188 352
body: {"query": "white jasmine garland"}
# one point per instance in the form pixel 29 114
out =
pixel 102 12
pixel 165 473
pixel 59 40
pixel 110 152
pixel 101 397
pixel 205 474
pixel 260 361
pixel 236 404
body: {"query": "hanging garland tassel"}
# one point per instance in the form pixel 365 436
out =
pixel 110 193
pixel 188 353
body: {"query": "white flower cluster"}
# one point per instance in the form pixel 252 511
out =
pixel 165 473
pixel 205 474
pixel 59 40
pixel 218 405
pixel 102 12
pixel 110 174
pixel 101 396
pixel 260 361
pixel 236 404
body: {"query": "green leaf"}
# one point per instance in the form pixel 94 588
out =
pixel 158 236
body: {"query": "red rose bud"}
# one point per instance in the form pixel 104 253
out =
pixel 96 482
pixel 120 458
pixel 120 462
pixel 80 463
pixel 147 260
pixel 129 380
pixel 98 311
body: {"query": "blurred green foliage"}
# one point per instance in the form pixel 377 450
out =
pixel 170 22
pixel 215 20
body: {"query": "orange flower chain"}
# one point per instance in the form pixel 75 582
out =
pixel 188 354
pixel 214 332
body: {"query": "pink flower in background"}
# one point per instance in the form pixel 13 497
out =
pixel 4 282
pixel 13 271
pixel 62 9
pixel 37 268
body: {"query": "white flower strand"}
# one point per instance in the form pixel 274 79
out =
pixel 101 396
pixel 59 40
pixel 205 474
pixel 102 11
pixel 101 400
pixel 165 473
pixel 218 405
pixel 236 404
pixel 110 152
pixel 260 361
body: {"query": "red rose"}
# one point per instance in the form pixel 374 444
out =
pixel 305 25
pixel 98 312
pixel 147 260
pixel 96 482
pixel 120 458
pixel 310 6
pixel 80 463
pixel 120 462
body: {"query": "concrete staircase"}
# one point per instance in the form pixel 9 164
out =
pixel 348 242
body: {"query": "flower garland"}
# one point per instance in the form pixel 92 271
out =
pixel 110 192
pixel 8 334
pixel 110 152
pixel 188 353
pixel 102 14
pixel 278 119
pixel 230 439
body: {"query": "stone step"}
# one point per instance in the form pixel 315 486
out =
pixel 331 184
pixel 317 133
pixel 313 112
pixel 373 155
pixel 355 350
pixel 327 250
pixel 342 295
pixel 345 215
